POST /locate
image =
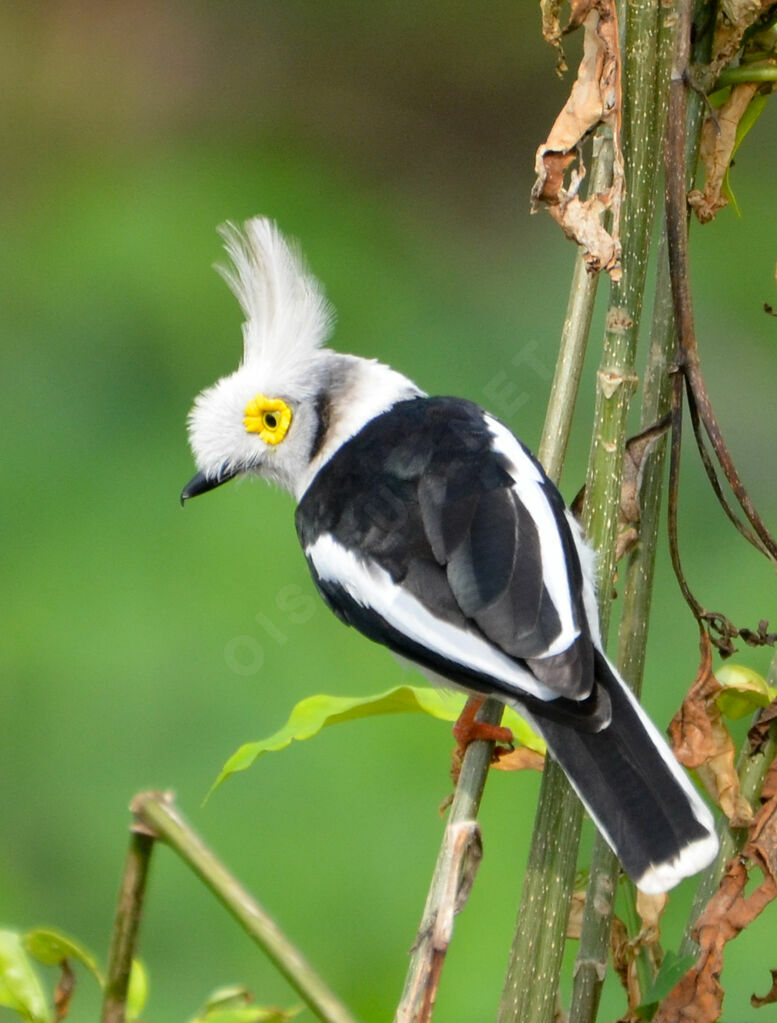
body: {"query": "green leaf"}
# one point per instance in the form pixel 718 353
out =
pixel 137 991
pixel 246 1014
pixel 672 969
pixel 744 691
pixel 20 986
pixel 50 947
pixel 316 712
pixel 231 1005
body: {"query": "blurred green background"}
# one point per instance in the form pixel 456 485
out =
pixel 142 643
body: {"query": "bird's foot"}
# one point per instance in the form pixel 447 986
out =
pixel 467 730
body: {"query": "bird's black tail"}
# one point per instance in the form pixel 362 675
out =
pixel 638 795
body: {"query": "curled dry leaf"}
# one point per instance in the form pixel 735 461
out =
pixel 638 448
pixel 759 731
pixel 595 99
pixel 624 962
pixel 698 996
pixel 552 31
pixel 701 742
pixel 519 759
pixel 626 950
pixel 757 1001
pixel 734 19
pixel 718 138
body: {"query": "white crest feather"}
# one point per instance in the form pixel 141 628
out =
pixel 287 314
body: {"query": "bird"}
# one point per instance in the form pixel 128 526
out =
pixel 431 529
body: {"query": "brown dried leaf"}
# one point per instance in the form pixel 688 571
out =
pixel 769 787
pixel 637 450
pixel 762 844
pixel 734 18
pixel 519 759
pixel 758 1001
pixel 552 31
pixel 759 732
pixel 624 962
pixel 625 950
pixel 698 996
pixel 718 138
pixel 701 741
pixel 595 99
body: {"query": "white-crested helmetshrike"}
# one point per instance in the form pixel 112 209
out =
pixel 430 528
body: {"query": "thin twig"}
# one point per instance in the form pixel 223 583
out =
pixel 158 812
pixel 126 925
pixel 688 366
pixel 452 878
pixel 712 475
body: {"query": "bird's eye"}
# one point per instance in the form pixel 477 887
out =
pixel 270 418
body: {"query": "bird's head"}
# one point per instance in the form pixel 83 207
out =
pixel 291 402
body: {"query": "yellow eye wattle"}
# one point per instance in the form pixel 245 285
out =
pixel 268 417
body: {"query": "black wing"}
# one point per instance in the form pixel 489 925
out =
pixel 425 493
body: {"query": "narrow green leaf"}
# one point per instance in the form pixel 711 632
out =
pixel 672 969
pixel 50 947
pixel 313 714
pixel 744 691
pixel 137 991
pixel 20 986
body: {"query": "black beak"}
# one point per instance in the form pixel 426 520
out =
pixel 201 484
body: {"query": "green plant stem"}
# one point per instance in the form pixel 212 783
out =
pixel 646 65
pixel 574 334
pixel 592 959
pixel 747 73
pixel 159 814
pixel 126 925
pixel 531 983
pixel 751 768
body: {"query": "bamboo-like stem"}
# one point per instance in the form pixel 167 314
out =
pixel 638 588
pixel 126 925
pixel 531 982
pixel 535 995
pixel 593 951
pixel 159 814
pixel 574 334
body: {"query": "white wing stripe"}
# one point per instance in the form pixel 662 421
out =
pixel 372 587
pixel 554 567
